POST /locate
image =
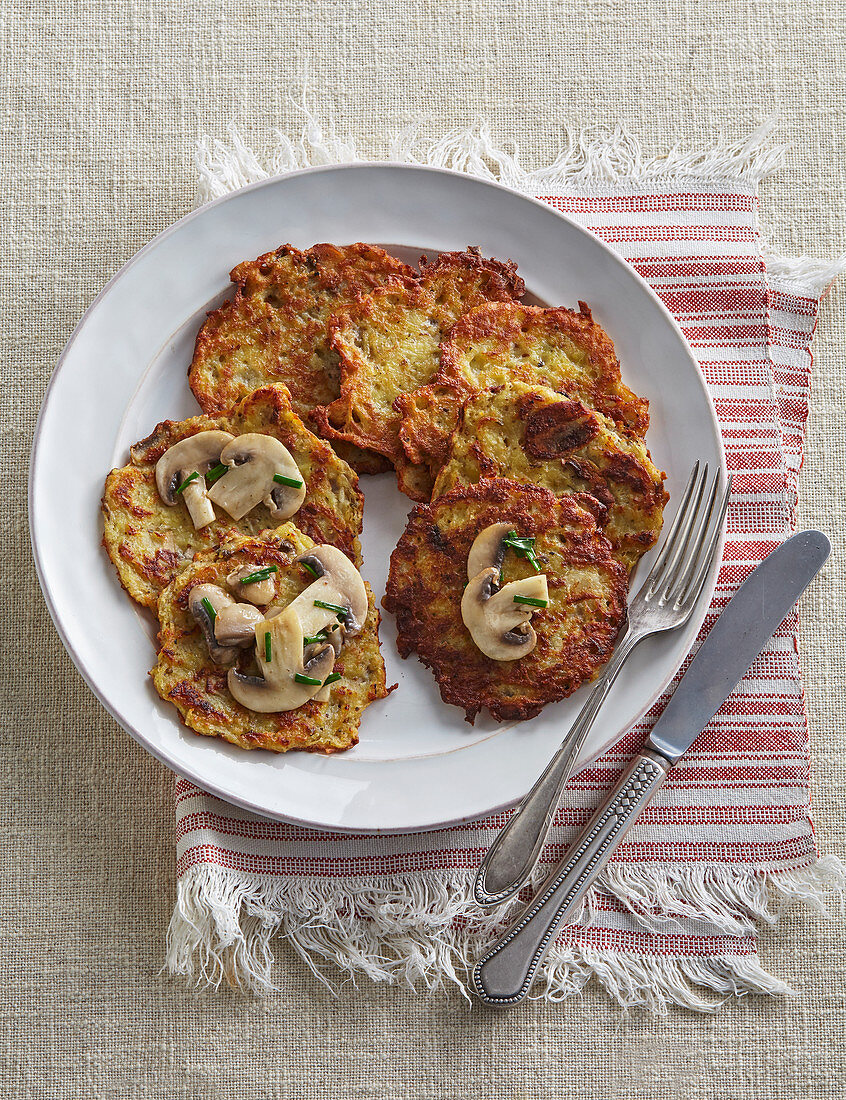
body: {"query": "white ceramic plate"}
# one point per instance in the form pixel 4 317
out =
pixel 418 764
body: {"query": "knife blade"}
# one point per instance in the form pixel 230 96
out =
pixel 736 639
pixel 504 974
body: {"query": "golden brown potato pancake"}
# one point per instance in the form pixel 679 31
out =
pixel 186 676
pixel 531 433
pixel 498 343
pixel 388 344
pixel 576 632
pixel 275 329
pixel 149 541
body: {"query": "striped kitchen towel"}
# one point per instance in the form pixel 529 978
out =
pixel 673 919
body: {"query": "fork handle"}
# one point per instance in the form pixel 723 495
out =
pixel 511 858
pixel 503 976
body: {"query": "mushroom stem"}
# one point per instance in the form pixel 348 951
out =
pixel 198 504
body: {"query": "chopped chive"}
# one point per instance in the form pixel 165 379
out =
pixel 207 604
pixel 268 646
pixel 292 481
pixel 187 481
pixel 524 547
pixel 298 676
pixel 216 473
pixel 260 574
pixel 313 572
pixel 341 612
pixel 531 601
pixel 332 678
pixel 313 639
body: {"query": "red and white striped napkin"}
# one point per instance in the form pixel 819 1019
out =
pixel 673 918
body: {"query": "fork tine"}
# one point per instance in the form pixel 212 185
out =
pixel 674 552
pixel 690 594
pixel 696 536
pixel 661 560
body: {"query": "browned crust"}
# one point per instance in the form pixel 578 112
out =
pixel 387 342
pixel 148 541
pixel 533 434
pixel 274 329
pixel 478 354
pixel 501 281
pixel 576 633
pixel 185 675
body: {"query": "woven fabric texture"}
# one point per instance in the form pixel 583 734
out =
pixel 101 105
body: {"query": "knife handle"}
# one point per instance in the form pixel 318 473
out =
pixel 504 974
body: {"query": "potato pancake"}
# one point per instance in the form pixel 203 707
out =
pixel 499 343
pixel 388 343
pixel 275 329
pixel 148 541
pixel 531 433
pixel 575 632
pixel 186 676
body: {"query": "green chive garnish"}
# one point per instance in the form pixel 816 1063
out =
pixel 313 572
pixel 524 547
pixel 292 481
pixel 187 481
pixel 216 473
pixel 207 604
pixel 332 678
pixel 298 676
pixel 312 639
pixel 260 574
pixel 531 601
pixel 268 646
pixel 341 612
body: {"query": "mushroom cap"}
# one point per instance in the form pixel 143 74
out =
pixel 487 549
pixel 235 624
pixel 258 592
pixel 336 573
pixel 254 459
pixel 501 628
pixel 195 452
pixel 276 689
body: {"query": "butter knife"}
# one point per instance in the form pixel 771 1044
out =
pixel 505 973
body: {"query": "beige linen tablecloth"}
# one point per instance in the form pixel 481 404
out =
pixel 100 106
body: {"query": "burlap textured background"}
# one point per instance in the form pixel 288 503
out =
pixel 100 107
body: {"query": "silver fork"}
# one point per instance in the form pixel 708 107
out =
pixel 664 602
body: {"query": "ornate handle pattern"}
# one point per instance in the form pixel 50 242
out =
pixel 503 976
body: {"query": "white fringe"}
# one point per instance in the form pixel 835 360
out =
pixel 588 160
pixel 424 931
pixel 808 275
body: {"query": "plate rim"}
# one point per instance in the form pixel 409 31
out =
pixel 147 743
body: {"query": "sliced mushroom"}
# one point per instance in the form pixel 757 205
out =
pixel 339 583
pixel 235 625
pixel 258 592
pixel 218 601
pixel 194 455
pixel 277 689
pixel 487 549
pixel 499 626
pixel 255 462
